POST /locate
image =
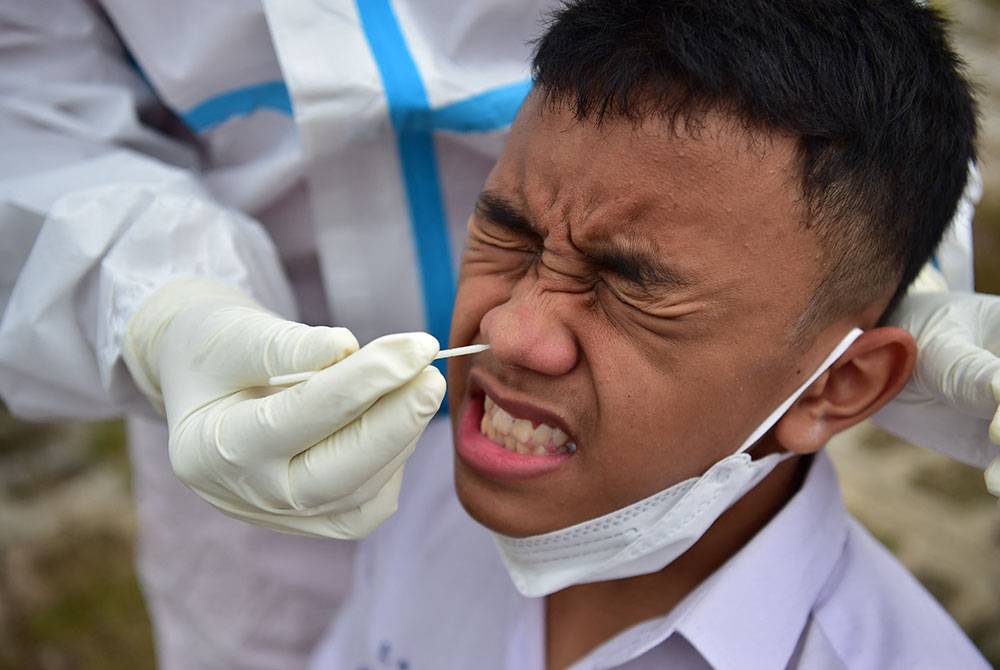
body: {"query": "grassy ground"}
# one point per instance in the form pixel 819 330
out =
pixel 68 591
pixel 69 597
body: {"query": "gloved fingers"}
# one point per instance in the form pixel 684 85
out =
pixel 369 489
pixel 240 346
pixel 288 422
pixel 286 347
pixel 960 372
pixel 361 521
pixel 291 525
pixel 995 424
pixel 992 476
pixel 353 523
pixel 341 465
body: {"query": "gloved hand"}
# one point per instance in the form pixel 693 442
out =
pixel 324 457
pixel 951 403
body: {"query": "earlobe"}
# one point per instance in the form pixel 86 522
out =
pixel 869 374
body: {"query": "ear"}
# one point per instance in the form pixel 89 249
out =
pixel 867 376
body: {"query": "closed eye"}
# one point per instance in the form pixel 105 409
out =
pixel 638 266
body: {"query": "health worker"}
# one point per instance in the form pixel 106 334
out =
pixel 186 185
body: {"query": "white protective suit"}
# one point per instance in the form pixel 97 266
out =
pixel 321 155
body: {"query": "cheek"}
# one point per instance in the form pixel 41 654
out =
pixel 651 420
pixel 661 424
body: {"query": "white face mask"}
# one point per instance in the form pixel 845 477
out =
pixel 647 535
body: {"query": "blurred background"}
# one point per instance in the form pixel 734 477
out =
pixel 68 592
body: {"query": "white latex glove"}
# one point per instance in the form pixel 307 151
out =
pixel 324 457
pixel 951 403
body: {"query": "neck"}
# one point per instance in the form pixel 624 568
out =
pixel 580 618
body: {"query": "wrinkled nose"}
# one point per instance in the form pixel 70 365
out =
pixel 526 332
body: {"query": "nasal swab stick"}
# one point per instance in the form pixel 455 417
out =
pixel 296 377
pixel 461 351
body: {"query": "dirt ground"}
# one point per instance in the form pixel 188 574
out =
pixel 69 597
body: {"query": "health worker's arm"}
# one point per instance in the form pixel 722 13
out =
pixel 951 403
pixel 98 209
pixel 129 289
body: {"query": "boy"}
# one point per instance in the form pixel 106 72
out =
pixel 698 207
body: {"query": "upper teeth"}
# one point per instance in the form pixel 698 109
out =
pixel 521 435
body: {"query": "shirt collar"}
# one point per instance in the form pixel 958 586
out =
pixel 754 613
pixel 752 610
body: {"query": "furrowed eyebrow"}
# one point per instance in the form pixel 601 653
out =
pixel 638 266
pixel 503 212
pixel 629 260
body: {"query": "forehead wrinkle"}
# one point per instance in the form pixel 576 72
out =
pixel 608 234
pixel 577 176
pixel 637 257
pixel 618 222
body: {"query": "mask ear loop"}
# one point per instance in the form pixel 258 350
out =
pixel 776 415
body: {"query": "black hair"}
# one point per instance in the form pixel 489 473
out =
pixel 884 117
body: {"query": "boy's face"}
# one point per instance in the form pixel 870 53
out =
pixel 639 289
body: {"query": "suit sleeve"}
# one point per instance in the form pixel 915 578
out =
pixel 101 203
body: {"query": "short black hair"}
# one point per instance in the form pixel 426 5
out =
pixel 885 119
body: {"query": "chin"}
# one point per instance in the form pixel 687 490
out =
pixel 500 509
pixel 487 507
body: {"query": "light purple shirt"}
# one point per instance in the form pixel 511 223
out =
pixel 811 590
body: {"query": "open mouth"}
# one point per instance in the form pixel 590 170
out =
pixel 506 438
pixel 522 435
